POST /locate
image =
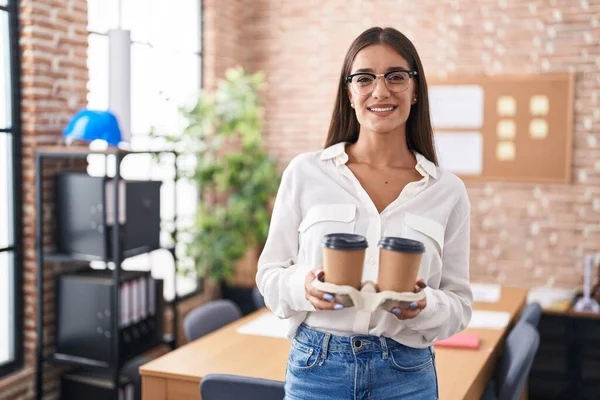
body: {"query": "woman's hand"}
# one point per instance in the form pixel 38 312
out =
pixel 404 310
pixel 321 300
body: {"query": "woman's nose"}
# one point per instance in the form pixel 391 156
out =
pixel 380 91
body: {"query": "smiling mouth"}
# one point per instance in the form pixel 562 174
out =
pixel 382 110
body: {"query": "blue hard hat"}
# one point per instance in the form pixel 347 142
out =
pixel 90 125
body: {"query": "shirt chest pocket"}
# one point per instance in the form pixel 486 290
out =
pixel 322 219
pixel 425 230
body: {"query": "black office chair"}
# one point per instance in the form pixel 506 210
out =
pixel 231 387
pixel 209 317
pixel 257 298
pixel 532 314
pixel 131 370
pixel 515 364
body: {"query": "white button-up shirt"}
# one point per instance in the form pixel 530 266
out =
pixel 318 195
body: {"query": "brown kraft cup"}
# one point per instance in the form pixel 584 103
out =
pixel 343 258
pixel 399 262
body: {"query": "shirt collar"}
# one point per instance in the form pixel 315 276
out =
pixel 337 153
pixel 427 166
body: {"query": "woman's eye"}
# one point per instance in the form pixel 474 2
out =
pixel 364 79
pixel 396 77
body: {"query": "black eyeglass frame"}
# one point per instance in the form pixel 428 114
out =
pixel 411 75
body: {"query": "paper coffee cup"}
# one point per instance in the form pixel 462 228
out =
pixel 399 262
pixel 343 258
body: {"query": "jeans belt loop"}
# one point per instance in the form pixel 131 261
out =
pixel 325 345
pixel 384 348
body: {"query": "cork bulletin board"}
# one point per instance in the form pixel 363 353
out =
pixel 505 128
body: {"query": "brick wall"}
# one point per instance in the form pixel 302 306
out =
pixel 53 43
pixel 224 42
pixel 53 47
pixel 522 234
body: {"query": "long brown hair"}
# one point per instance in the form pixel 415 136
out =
pixel 344 126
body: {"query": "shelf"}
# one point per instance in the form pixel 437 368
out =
pixel 82 151
pixel 65 151
pixel 58 257
pixel 95 380
pixel 101 361
pixel 67 359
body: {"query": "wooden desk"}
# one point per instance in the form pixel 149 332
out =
pixel 462 374
pixel 571 313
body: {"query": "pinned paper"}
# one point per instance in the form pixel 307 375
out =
pixel 538 128
pixel 539 105
pixel 505 151
pixel 460 152
pixel 506 106
pixel 458 106
pixel 506 129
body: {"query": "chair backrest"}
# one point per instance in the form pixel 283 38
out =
pixel 531 314
pixel 231 387
pixel 257 298
pixel 209 317
pixel 515 364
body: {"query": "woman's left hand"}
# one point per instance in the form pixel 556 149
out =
pixel 405 310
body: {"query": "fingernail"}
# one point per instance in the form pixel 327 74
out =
pixel 413 305
pixel 338 307
pixel 328 297
pixel 396 311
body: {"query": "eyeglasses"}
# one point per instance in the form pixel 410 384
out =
pixel 363 83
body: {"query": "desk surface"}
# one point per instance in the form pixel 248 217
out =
pixel 462 374
pixel 571 313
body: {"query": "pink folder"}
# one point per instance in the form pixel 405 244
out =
pixel 461 340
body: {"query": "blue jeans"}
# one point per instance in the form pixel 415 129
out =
pixel 322 366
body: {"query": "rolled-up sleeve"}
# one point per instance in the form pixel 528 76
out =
pixel 279 278
pixel 449 307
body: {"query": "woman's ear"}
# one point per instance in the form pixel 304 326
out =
pixel 351 102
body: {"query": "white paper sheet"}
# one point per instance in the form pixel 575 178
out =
pixel 485 292
pixel 459 106
pixel 460 152
pixel 265 325
pixel 549 296
pixel 489 319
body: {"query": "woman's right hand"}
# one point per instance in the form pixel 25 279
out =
pixel 321 300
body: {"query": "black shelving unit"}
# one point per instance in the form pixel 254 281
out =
pixel 116 255
pixel 567 364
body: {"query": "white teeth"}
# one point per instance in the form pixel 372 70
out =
pixel 381 109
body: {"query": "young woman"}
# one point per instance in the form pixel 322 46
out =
pixel 377 176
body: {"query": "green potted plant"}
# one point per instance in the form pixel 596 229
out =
pixel 236 177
